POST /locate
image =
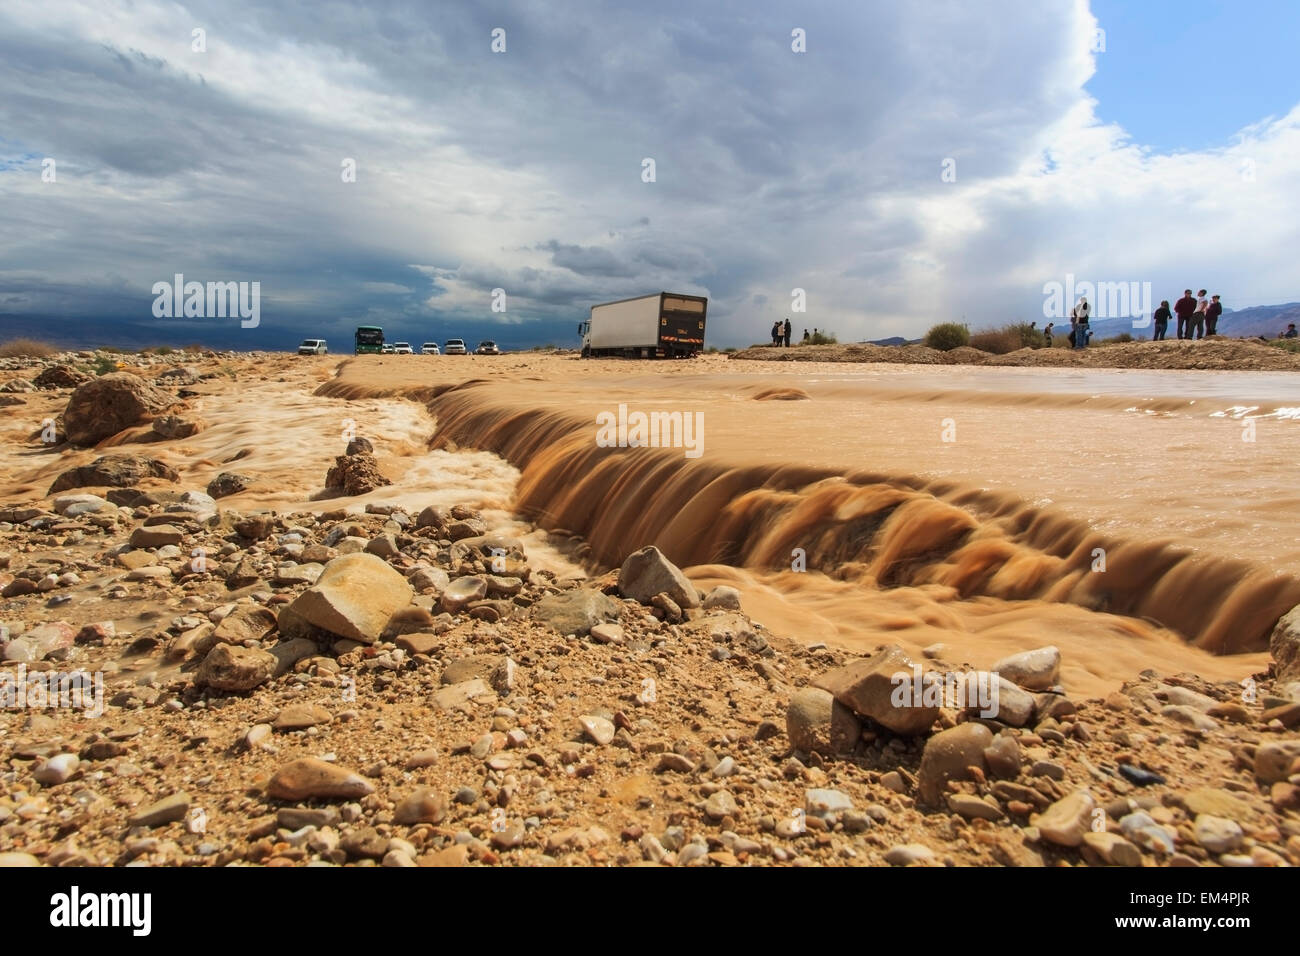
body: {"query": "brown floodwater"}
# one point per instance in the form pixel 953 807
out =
pixel 1120 515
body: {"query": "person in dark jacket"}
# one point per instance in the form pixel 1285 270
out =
pixel 1184 308
pixel 776 332
pixel 1212 313
pixel 787 333
pixel 1161 317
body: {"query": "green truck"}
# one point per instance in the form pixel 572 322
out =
pixel 370 338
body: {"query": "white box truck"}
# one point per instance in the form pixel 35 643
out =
pixel 660 325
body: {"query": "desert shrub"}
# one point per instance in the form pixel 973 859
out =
pixel 161 350
pixel 996 341
pixel 729 351
pixel 1116 339
pixel 947 336
pixel 27 348
pixel 103 365
pixel 823 338
pixel 1031 337
pixel 111 350
pixel 1287 345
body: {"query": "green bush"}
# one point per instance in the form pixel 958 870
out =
pixel 947 336
pixel 823 338
pixel 103 365
pixel 1287 345
pixel 996 341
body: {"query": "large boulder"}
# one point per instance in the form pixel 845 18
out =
pixel 1285 646
pixel 647 572
pixel 106 405
pixel 354 597
pixel 114 471
pixel 883 688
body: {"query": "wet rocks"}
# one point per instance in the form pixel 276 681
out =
pixel 867 687
pixel 462 592
pixel 1284 645
pixel 172 427
pixel 576 611
pixel 356 474
pixel 115 471
pixel 354 597
pixel 816 721
pixel 228 483
pixel 647 572
pixel 1038 669
pixel 309 778
pixel 948 755
pixel 231 668
pixel 104 406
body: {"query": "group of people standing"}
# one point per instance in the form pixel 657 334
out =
pixel 781 333
pixel 1198 317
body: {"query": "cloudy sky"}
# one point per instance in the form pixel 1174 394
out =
pixel 1164 149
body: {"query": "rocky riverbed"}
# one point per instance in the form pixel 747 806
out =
pixel 403 686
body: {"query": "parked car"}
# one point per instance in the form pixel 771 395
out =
pixel 403 348
pixel 387 350
pixel 313 347
pixel 430 348
pixel 456 347
pixel 487 347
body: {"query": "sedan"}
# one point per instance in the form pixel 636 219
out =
pixel 487 348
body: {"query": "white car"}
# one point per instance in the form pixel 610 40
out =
pixel 386 350
pixel 313 347
pixel 487 347
pixel 430 348
pixel 456 347
pixel 403 348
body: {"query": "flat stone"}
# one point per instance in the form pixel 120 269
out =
pixel 908 853
pixel 973 808
pixel 168 810
pixel 1273 760
pixel 1189 717
pixel 576 611
pixel 156 536
pixel 18 859
pixel 309 778
pixel 824 803
pixel 1218 803
pixel 608 632
pixel 421 642
pixel 301 716
pixel 1112 849
pixel 675 763
pixel 458 696
pixel 57 769
pixel 867 687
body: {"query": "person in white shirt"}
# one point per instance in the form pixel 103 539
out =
pixel 1196 324
pixel 1079 319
